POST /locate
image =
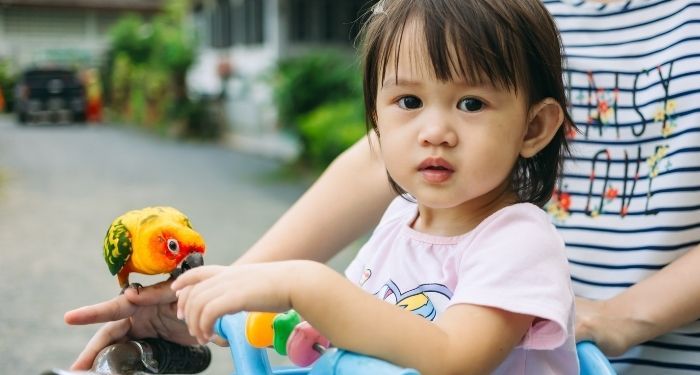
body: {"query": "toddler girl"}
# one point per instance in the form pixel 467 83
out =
pixel 467 101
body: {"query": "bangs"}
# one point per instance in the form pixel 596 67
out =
pixel 511 45
pixel 449 46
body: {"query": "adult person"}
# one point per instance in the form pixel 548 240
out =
pixel 628 204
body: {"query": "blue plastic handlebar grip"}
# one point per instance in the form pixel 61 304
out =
pixel 592 360
pixel 247 359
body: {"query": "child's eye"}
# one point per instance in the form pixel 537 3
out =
pixel 410 102
pixel 470 105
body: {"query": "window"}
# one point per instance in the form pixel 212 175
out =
pixel 221 33
pixel 252 26
pixel 325 21
pixel 237 22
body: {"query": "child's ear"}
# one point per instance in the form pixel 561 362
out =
pixel 544 119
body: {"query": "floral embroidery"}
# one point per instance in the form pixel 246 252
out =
pixel 611 194
pixel 654 160
pixel 558 206
pixel 667 116
pixel 604 112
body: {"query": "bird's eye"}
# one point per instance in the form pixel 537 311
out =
pixel 173 246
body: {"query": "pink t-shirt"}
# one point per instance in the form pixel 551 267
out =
pixel 514 260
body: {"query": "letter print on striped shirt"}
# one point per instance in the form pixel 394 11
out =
pixel 628 202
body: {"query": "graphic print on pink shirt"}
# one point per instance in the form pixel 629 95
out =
pixel 417 300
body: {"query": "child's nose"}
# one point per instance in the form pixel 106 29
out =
pixel 437 131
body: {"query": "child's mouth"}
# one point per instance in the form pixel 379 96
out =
pixel 435 170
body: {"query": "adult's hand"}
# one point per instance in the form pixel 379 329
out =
pixel 661 303
pixel 150 312
pixel 606 330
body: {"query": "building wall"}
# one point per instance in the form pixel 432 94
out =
pixel 289 28
pixel 35 35
pixel 249 98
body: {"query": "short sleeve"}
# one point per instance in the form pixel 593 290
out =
pixel 516 262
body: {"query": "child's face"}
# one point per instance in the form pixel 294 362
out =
pixel 447 143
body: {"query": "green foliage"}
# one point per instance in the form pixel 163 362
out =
pixel 133 38
pixel 319 98
pixel 146 68
pixel 7 84
pixel 304 83
pixel 330 129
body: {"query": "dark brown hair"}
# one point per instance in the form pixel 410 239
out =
pixel 513 44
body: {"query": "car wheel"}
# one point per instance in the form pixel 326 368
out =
pixel 22 118
pixel 79 117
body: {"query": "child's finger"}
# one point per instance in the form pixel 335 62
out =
pixel 192 308
pixel 182 296
pixel 218 340
pixel 200 297
pixel 195 275
pixel 218 306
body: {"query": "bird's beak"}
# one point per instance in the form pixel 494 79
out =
pixel 193 260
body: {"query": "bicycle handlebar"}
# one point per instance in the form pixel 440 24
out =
pixel 250 360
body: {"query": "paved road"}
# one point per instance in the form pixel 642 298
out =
pixel 60 189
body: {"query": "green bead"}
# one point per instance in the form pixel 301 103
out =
pixel 282 326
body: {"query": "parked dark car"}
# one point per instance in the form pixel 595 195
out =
pixel 50 95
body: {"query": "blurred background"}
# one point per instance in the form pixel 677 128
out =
pixel 224 109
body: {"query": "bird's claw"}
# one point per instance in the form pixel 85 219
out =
pixel 136 286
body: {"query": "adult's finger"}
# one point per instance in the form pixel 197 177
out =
pixel 117 308
pixel 107 334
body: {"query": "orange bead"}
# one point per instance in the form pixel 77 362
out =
pixel 258 329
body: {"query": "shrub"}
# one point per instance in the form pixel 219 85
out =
pixel 7 84
pixel 303 83
pixel 330 129
pixel 146 67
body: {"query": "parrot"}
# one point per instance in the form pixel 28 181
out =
pixel 151 241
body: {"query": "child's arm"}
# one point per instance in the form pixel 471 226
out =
pixel 467 339
pixel 336 210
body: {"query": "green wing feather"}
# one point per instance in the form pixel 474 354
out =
pixel 117 246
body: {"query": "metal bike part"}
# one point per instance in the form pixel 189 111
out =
pixel 152 356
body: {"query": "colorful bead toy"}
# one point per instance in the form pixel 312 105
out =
pixel 258 329
pixel 282 326
pixel 288 334
pixel 306 345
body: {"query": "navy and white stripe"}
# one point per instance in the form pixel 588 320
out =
pixel 629 200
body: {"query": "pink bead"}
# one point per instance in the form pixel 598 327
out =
pixel 300 345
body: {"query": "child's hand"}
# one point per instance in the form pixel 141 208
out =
pixel 208 292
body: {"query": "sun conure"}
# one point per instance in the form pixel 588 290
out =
pixel 153 240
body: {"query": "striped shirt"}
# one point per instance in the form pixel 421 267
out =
pixel 629 200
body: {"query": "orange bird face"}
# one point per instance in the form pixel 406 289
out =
pixel 172 244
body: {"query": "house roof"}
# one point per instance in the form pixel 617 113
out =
pixel 137 5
